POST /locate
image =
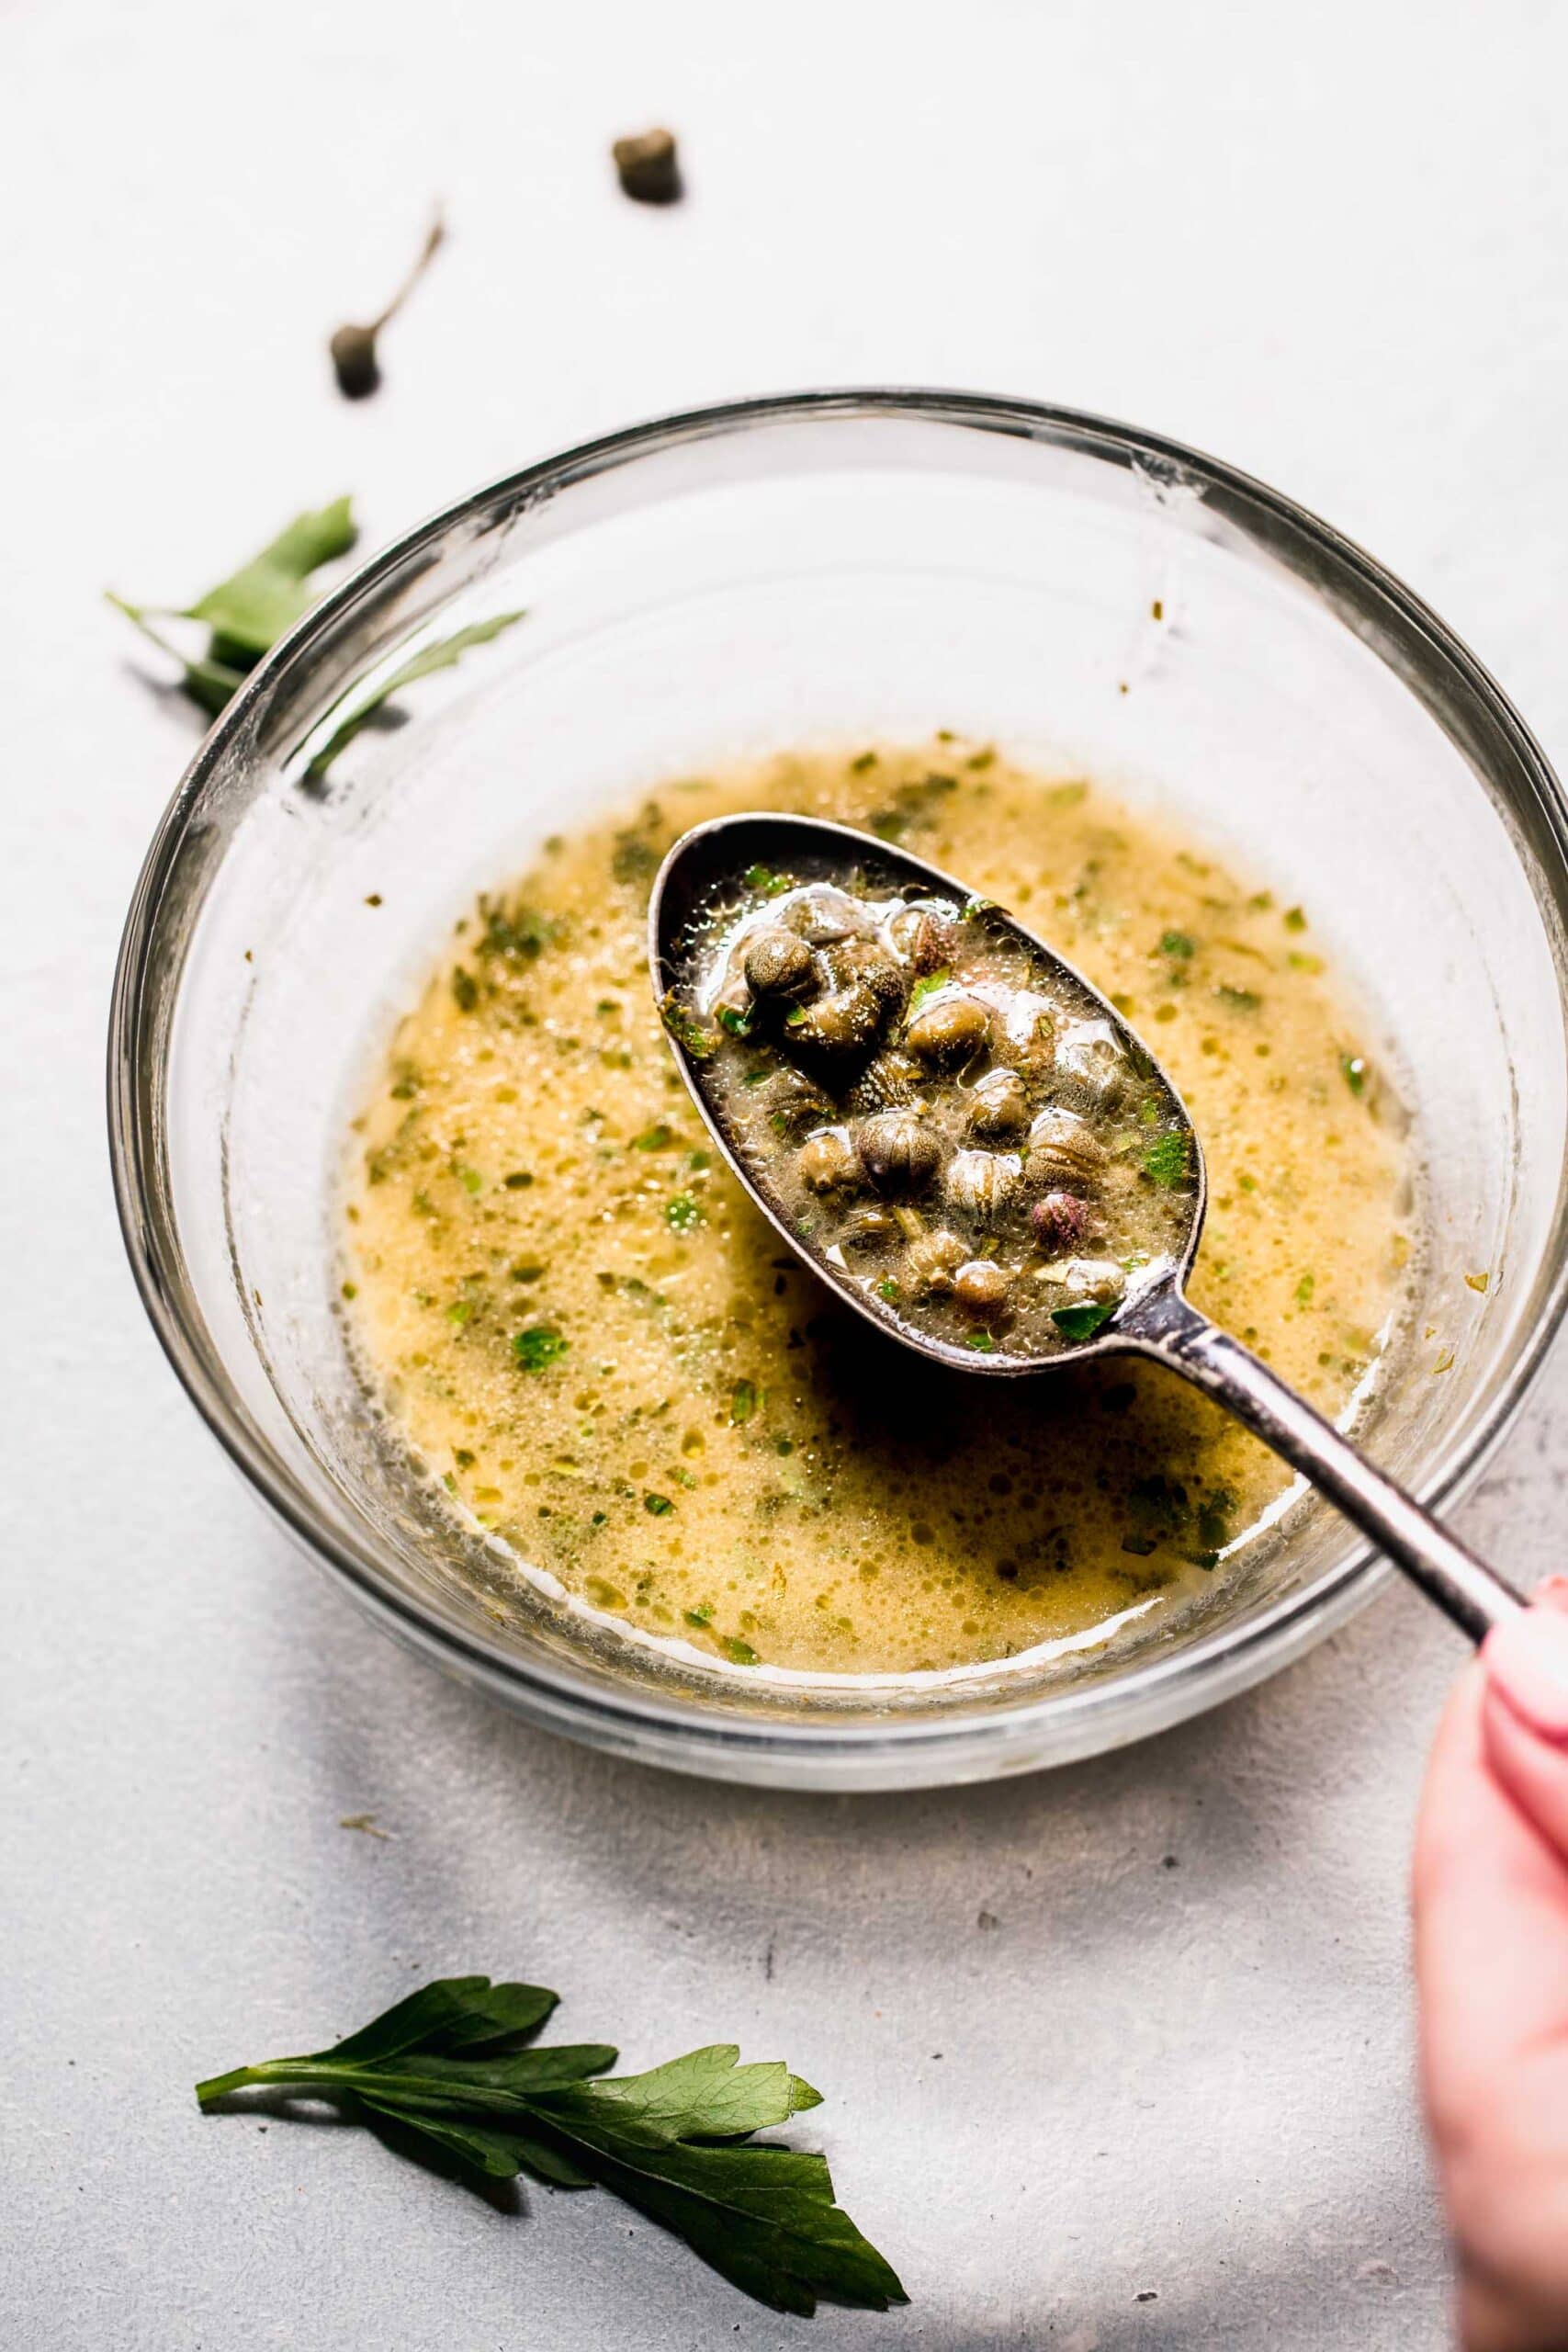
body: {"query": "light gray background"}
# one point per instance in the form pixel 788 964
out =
pixel 1327 243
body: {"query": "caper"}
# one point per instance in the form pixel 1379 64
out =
pixel 922 938
pixel 948 1032
pixel 892 1077
pixel 778 963
pixel 829 1162
pixel 822 915
pixel 869 1229
pixel 795 1104
pixel 1063 1153
pixel 648 167
pixel 1091 1065
pixel 981 1183
pixel 845 1021
pixel 932 1260
pixel 983 1289
pixel 863 963
pixel 899 1151
pixel 1028 1032
pixel 1099 1280
pixel 998 1107
pixel 1063 1221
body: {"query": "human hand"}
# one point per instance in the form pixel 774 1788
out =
pixel 1490 1891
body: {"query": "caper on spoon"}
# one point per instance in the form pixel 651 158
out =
pixel 967 1142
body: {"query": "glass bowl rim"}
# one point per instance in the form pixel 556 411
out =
pixel 1229 1658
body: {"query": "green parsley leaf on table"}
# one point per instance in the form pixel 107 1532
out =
pixel 454 2065
pixel 247 614
pixel 442 655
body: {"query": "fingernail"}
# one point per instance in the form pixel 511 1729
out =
pixel 1527 1661
pixel 1552 1594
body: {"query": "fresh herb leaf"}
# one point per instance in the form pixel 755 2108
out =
pixel 207 681
pixel 540 1345
pixel 742 1402
pixel 739 1653
pixel 442 655
pixel 1355 1071
pixel 658 1505
pixel 687 1030
pixel 254 607
pixel 1242 1000
pixel 448 2069
pixel 1178 944
pixel 763 879
pixel 657 1137
pixel 928 986
pixel 247 613
pixel 682 1214
pixel 455 2013
pixel 738 1020
pixel 520 932
pixel 1082 1321
pixel 1165 1159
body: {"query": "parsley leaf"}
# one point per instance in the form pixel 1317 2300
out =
pixel 1165 1159
pixel 540 1345
pixel 254 607
pixel 247 613
pixel 927 986
pixel 1082 1321
pixel 450 2070
pixel 445 655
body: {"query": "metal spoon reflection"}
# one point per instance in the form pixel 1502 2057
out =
pixel 1155 1318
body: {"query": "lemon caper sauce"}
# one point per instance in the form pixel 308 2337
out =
pixel 578 1321
pixel 945 1115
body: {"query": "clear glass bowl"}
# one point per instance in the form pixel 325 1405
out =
pixel 827 566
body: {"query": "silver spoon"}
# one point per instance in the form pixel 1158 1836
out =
pixel 706 868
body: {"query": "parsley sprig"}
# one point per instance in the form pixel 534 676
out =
pixel 245 615
pixel 452 2068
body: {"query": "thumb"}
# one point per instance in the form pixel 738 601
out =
pixel 1524 1715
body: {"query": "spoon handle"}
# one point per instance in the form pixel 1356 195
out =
pixel 1166 1325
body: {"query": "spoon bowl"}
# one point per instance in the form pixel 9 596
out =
pixel 718 884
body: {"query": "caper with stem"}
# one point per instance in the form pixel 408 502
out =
pixel 829 1162
pixel 932 1259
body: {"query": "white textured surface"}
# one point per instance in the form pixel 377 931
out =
pixel 1327 244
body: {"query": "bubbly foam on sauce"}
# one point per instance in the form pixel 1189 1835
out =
pixel 576 1318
